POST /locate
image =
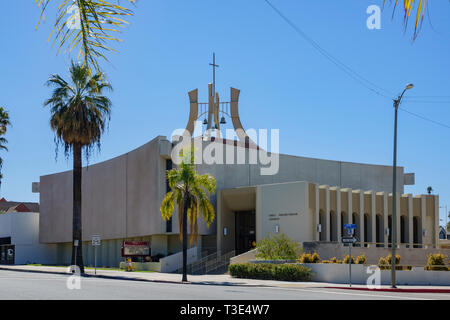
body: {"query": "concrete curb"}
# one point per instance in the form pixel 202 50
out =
pixel 424 290
pixel 215 283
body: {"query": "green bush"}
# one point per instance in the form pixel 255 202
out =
pixel 382 261
pixel 309 258
pixel 270 271
pixel 279 247
pixel 361 259
pixel 436 261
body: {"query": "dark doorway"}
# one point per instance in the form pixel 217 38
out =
pixel 245 222
pixel 7 254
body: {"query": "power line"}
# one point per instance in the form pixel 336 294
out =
pixel 425 118
pixel 353 74
pixel 426 101
pixel 349 71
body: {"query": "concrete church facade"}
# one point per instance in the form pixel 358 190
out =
pixel 307 199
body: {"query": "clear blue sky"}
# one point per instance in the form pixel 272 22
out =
pixel 320 111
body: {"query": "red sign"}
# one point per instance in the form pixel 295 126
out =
pixel 135 249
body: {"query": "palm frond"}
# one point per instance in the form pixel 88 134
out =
pixel 78 115
pixel 87 24
pixel 408 6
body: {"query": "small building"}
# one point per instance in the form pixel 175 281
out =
pixel 19 235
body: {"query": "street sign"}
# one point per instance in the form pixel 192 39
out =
pixel 350 226
pixel 96 240
pixel 349 240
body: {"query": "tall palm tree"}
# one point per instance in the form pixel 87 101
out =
pixel 190 191
pixel 79 112
pixel 4 123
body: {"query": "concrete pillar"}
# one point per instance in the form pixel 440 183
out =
pixel 327 213
pixel 361 216
pixel 397 218
pixel 316 212
pixel 410 220
pixel 385 218
pixel 338 214
pixel 373 215
pixel 423 213
pixel 436 222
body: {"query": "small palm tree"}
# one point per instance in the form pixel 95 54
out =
pixel 79 113
pixel 4 123
pixel 190 191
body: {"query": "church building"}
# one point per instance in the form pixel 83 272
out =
pixel 307 199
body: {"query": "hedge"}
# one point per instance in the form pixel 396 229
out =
pixel 269 271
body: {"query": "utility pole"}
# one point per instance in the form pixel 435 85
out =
pixel 394 188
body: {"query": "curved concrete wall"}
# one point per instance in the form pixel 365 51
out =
pixel 121 196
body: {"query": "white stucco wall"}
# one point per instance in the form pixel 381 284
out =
pixel 285 205
pixel 23 228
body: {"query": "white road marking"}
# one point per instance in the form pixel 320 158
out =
pixel 351 294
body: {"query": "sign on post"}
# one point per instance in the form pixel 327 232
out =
pixel 96 241
pixel 350 240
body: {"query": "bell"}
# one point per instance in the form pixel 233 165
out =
pixel 205 121
pixel 222 120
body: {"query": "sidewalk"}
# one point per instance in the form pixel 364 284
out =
pixel 222 279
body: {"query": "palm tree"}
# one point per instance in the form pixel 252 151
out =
pixel 4 123
pixel 79 113
pixel 190 191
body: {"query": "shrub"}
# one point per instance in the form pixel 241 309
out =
pixel 361 259
pixel 279 247
pixel 335 260
pixel 436 261
pixel 347 258
pixel 326 261
pixel 309 258
pixel 382 261
pixel 269 271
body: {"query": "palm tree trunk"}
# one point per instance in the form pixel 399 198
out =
pixel 186 205
pixel 76 233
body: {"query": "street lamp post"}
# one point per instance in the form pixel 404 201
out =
pixel 394 187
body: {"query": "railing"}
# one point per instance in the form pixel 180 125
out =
pixel 209 263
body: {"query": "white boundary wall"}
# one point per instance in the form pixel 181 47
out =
pixel 338 273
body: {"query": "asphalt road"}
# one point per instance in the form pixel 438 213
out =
pixel 43 286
